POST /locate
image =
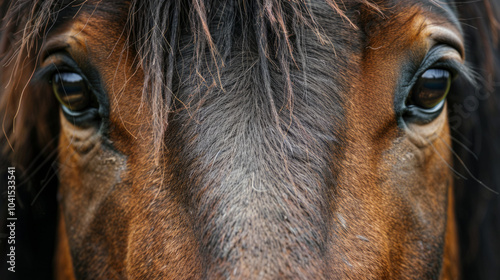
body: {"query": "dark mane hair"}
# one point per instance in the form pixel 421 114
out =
pixel 155 29
pixel 475 127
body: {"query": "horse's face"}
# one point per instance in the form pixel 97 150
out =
pixel 325 158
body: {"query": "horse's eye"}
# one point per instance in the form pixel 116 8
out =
pixel 71 91
pixel 431 89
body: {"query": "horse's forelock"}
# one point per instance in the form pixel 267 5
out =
pixel 155 26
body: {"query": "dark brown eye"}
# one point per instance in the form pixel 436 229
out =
pixel 71 91
pixel 431 89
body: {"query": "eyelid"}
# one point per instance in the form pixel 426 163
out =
pixel 449 60
pixel 60 43
pixel 56 62
pixel 441 55
pixel 445 36
pixel 435 109
pixel 59 58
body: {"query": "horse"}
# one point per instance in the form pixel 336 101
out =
pixel 207 139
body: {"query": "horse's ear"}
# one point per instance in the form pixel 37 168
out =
pixel 28 141
pixel 475 123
